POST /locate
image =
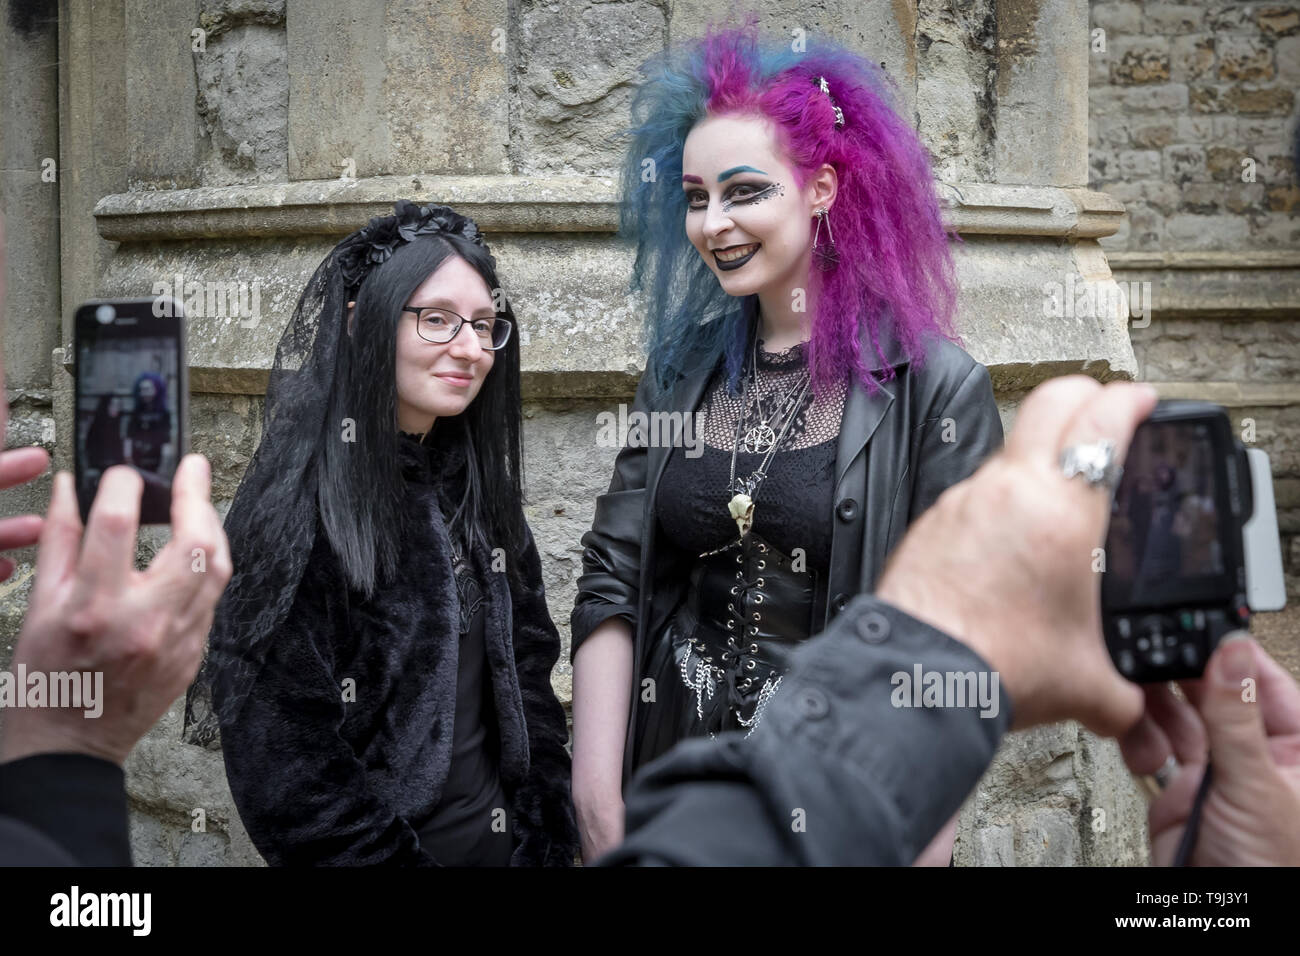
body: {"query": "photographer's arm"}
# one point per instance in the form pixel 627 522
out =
pixel 778 798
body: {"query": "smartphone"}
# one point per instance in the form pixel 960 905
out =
pixel 1177 575
pixel 131 397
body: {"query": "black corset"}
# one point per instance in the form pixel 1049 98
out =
pixel 754 609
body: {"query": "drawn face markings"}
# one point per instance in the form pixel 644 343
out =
pixel 740 193
pixel 770 191
pixel 749 228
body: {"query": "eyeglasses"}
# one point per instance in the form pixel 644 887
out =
pixel 440 326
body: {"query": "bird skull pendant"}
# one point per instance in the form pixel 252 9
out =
pixel 742 512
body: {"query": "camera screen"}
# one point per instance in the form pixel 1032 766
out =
pixel 126 411
pixel 1164 545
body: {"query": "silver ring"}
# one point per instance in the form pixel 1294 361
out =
pixel 1165 774
pixel 1095 461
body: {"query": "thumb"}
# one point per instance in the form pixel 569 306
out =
pixel 1233 720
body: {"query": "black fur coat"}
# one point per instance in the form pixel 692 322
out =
pixel 344 742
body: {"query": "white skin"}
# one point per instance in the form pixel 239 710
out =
pixel 723 215
pixel 440 380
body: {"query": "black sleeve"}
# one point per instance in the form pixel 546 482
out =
pixel 549 829
pixel 301 790
pixel 60 809
pixel 610 583
pixel 842 770
pixel 955 439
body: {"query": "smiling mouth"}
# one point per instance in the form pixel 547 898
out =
pixel 733 257
pixel 452 378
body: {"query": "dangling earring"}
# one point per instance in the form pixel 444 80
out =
pixel 826 255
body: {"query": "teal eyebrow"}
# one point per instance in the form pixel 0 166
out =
pixel 728 173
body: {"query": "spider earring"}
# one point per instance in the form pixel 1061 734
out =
pixel 825 254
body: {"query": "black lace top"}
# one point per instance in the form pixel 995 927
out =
pixel 793 504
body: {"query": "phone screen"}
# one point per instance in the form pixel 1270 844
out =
pixel 1164 545
pixel 129 400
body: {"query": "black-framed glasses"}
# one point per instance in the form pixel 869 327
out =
pixel 440 326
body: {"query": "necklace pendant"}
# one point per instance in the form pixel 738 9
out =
pixel 741 508
pixel 759 440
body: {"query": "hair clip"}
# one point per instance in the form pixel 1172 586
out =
pixel 839 113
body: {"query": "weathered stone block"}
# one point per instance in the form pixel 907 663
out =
pixel 1191 57
pixel 1223 162
pixel 1245 58
pixel 1278 20
pixel 1118 18
pixel 1204 99
pixel 1193 129
pixel 1284 199
pixel 243 103
pixel 1207 232
pixel 1286 56
pixel 1241 198
pixel 1183 164
pixel 1140 59
pixel 1229 18
pixel 1162 97
pixel 1276 231
pixel 1172 18
pixel 1139 163
pixel 1114 131
pixel 1247 98
pixel 1153 135
pixel 579 61
pixel 1204 199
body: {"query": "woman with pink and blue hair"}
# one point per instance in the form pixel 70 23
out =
pixel 800 297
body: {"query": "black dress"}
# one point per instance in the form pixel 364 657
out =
pixel 722 655
pixel 471 824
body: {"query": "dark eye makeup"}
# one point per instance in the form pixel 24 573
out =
pixel 740 194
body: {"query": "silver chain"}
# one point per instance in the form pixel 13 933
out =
pixel 764 696
pixel 702 681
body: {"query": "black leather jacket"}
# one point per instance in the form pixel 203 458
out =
pixel 925 430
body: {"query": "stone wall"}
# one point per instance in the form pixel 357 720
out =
pixel 236 140
pixel 1192 125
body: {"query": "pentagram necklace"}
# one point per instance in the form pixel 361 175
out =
pixel 741 505
pixel 761 438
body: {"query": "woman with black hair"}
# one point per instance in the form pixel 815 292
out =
pixel 379 667
pixel 104 435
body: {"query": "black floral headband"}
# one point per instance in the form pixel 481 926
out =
pixel 374 243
